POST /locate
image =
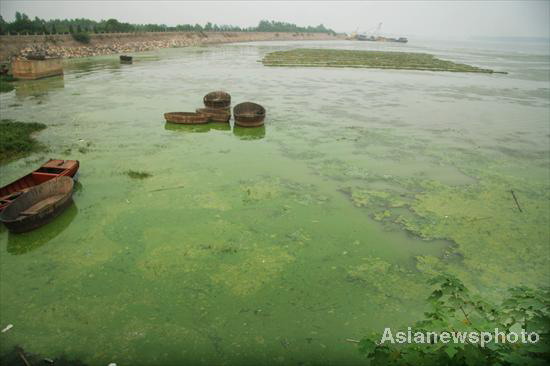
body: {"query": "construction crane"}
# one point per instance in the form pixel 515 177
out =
pixel 375 32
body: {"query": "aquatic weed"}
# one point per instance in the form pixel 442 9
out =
pixel 135 174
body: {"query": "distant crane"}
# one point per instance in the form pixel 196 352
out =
pixel 375 32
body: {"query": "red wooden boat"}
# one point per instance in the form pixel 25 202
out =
pixel 53 168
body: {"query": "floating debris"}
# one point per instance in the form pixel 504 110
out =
pixel 136 174
pixel 125 59
pixel 8 327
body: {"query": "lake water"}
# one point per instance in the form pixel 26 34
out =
pixel 274 245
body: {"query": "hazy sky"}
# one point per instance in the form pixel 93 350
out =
pixel 407 18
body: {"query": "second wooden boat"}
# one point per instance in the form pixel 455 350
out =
pixel 216 114
pixel 53 168
pixel 39 205
pixel 188 118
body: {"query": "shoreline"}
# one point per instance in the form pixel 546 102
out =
pixel 65 46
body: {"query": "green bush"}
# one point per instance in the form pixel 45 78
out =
pixel 81 37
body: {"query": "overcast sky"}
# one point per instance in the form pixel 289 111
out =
pixel 406 18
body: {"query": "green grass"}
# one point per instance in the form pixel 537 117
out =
pixel 365 59
pixel 135 174
pixel 16 140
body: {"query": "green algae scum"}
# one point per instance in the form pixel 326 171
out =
pixel 365 59
pixel 222 245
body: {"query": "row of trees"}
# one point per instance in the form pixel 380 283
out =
pixel 24 25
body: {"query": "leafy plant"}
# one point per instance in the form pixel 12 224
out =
pixel 455 309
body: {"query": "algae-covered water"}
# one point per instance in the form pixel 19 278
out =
pixel 274 245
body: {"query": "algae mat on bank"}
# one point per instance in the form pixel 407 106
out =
pixel 365 59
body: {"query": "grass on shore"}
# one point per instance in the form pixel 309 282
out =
pixel 16 140
pixel 365 59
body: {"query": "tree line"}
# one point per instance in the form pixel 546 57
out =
pixel 24 25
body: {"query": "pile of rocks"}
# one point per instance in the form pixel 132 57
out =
pixel 52 50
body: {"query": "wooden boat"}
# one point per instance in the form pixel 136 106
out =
pixel 216 114
pixel 39 205
pixel 188 118
pixel 217 99
pixel 53 168
pixel 249 114
pixel 125 59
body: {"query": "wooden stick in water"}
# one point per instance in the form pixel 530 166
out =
pixel 23 358
pixel 516 200
pixel 166 189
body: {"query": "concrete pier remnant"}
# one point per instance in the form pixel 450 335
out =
pixel 37 69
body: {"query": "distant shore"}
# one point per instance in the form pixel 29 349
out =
pixel 114 43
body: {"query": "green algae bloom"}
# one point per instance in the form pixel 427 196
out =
pixel 365 59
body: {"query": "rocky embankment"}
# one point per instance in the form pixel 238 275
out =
pixel 105 44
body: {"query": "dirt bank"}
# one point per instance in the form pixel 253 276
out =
pixel 104 44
